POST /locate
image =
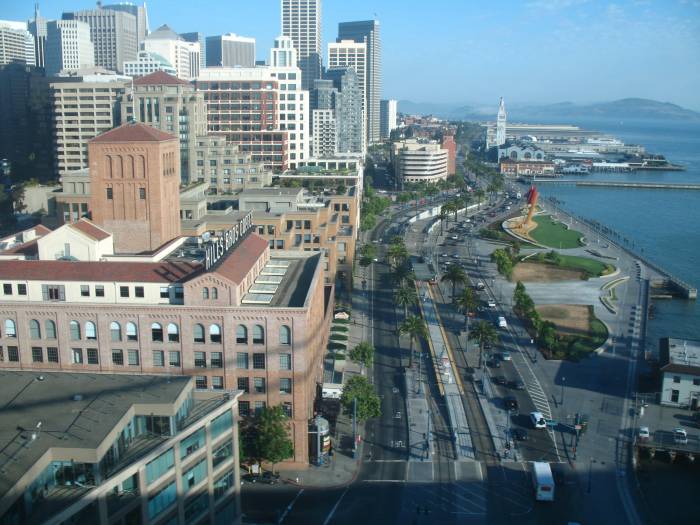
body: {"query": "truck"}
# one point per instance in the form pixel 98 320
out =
pixel 502 322
pixel 332 391
pixel 543 481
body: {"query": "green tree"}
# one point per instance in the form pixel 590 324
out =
pixel 415 328
pixel 405 296
pixel 368 403
pixel 454 275
pixel 466 302
pixel 403 276
pixel 483 332
pixel 272 442
pixel 397 254
pixel 363 353
pixel 443 214
pixel 479 194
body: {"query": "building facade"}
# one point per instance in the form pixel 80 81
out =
pixel 526 168
pixel 181 54
pixel 147 63
pixel 367 32
pixel 113 34
pixel 350 54
pixel 418 161
pixel 679 362
pixel 141 14
pixel 448 143
pixel 37 27
pixel 325 131
pixel 132 449
pixel 350 137
pixel 196 36
pixel 83 106
pixel 388 117
pixel 301 21
pixel 68 46
pixel 230 50
pixel 16 43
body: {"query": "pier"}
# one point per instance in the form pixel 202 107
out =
pixel 613 184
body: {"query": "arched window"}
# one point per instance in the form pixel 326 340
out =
pixel 285 335
pixel 156 333
pixel 215 293
pixel 205 293
pixel 215 333
pixel 131 332
pixel 75 331
pixel 528 155
pixel 115 330
pixel 90 331
pixel 514 155
pixel 258 335
pixel 34 329
pixel 10 328
pixel 50 329
pixel 198 333
pixel 241 335
pixel 173 333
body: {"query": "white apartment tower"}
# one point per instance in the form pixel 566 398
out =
pixel 68 46
pixel 501 124
pixel 324 143
pixel 301 21
pixel 181 54
pixel 16 43
pixel 367 32
pixel 389 116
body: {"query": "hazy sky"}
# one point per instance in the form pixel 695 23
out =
pixel 466 51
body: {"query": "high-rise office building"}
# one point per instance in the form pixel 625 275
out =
pixel 113 33
pixel 389 116
pixel 198 37
pixel 350 137
pixel 141 14
pixel 368 32
pixel 68 46
pixel 37 27
pixel 16 43
pixel 230 50
pixel 147 63
pixel 181 54
pixel 84 106
pixel 350 54
pixel 301 21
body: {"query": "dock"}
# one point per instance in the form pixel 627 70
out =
pixel 613 184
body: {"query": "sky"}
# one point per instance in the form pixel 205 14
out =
pixel 472 52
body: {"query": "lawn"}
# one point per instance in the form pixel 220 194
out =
pixel 568 265
pixel 555 234
pixel 580 331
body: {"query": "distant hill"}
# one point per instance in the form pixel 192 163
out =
pixel 627 108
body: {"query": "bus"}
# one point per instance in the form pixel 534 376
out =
pixel 543 481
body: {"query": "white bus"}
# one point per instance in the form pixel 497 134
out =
pixel 543 481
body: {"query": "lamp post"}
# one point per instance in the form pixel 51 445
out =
pixel 563 380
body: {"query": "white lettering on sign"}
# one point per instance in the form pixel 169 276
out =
pixel 215 250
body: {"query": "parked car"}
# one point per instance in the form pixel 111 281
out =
pixel 518 384
pixel 269 478
pixel 511 403
pixel 494 363
pixel 643 434
pixel 680 436
pixel 519 434
pixel 506 356
pixel 538 421
pixel 500 380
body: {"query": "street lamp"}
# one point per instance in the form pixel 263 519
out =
pixel 563 380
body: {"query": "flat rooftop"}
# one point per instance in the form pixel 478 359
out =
pixel 75 411
pixel 285 281
pixel 680 355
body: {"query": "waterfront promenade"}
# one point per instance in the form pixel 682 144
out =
pixel 614 184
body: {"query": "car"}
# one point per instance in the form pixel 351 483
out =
pixel 517 384
pixel 480 285
pixel 269 478
pixel 491 303
pixel 511 403
pixel 249 478
pixel 444 255
pixel 455 256
pixel 494 363
pixel 643 434
pixel 487 345
pixel 519 434
pixel 538 421
pixel 455 237
pixel 500 380
pixel 680 436
pixel 506 356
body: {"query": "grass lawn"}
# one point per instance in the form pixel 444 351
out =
pixel 581 332
pixel 555 234
pixel 588 267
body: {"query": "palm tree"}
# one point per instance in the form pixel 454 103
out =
pixel 415 328
pixel 443 214
pixel 454 275
pixel 403 275
pixel 484 332
pixel 466 302
pixel 456 205
pixel 479 196
pixel 397 253
pixel 405 296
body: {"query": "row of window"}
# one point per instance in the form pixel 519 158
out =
pixel 244 408
pixel 158 333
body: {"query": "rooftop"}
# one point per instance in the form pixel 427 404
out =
pixel 90 229
pixel 159 78
pixel 679 355
pixel 133 132
pixel 76 411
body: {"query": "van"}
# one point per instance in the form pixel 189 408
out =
pixel 502 322
pixel 543 481
pixel 491 303
pixel 537 420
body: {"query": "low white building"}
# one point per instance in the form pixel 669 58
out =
pixel 679 361
pixel 520 152
pixel 418 161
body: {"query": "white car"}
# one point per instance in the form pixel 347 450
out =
pixel 505 356
pixel 537 420
pixel 680 436
pixel 643 434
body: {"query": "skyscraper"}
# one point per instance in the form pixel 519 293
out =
pixel 350 54
pixel 139 11
pixel 37 27
pixel 183 55
pixel 16 43
pixel 68 46
pixel 301 21
pixel 196 36
pixel 230 50
pixel 348 110
pixel 368 32
pixel 388 118
pixel 113 33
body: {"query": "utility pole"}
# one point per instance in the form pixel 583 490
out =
pixel 563 380
pixel 354 427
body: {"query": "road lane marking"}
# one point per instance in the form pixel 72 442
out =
pixel 335 507
pixel 291 504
